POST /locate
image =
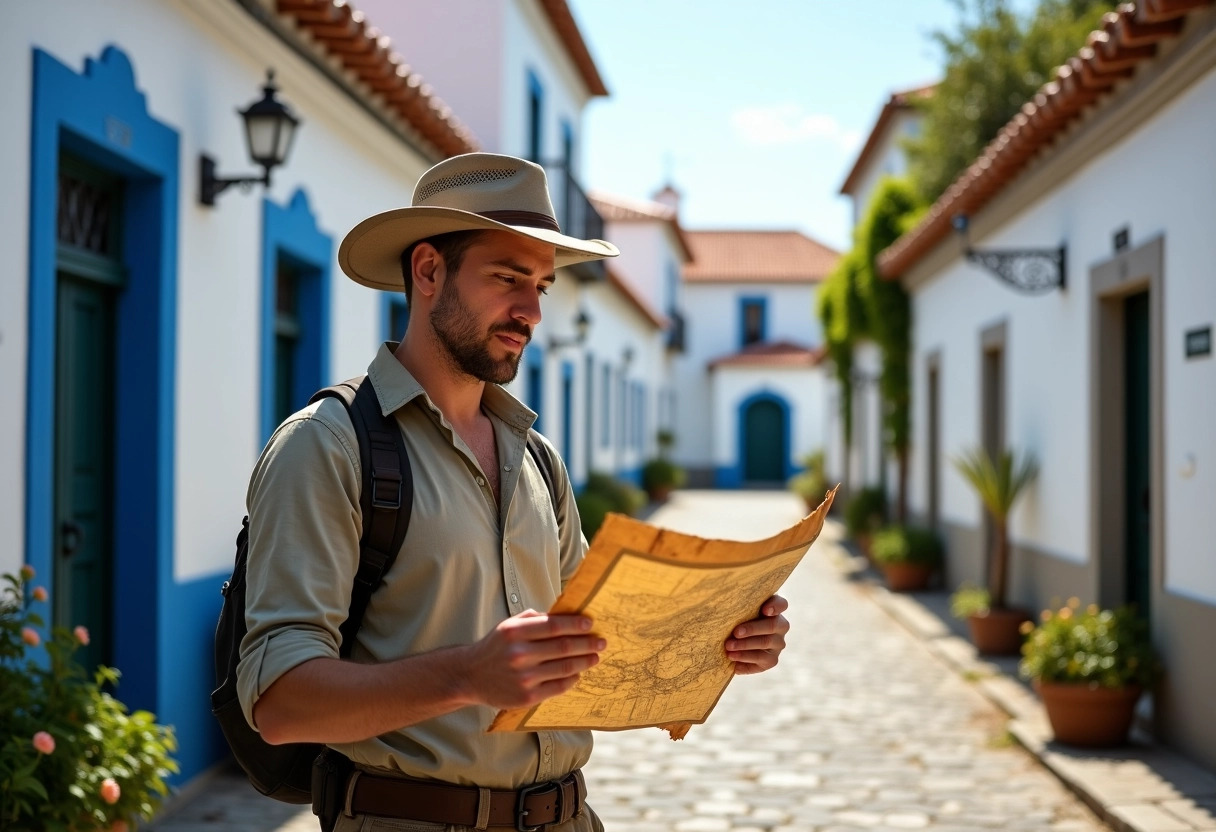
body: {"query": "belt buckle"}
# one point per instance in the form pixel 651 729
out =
pixel 521 811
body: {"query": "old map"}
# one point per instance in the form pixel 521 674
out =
pixel 665 602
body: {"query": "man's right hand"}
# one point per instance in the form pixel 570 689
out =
pixel 531 657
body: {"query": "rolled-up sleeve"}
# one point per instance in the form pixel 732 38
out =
pixel 304 529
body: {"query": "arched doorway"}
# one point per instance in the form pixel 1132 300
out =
pixel 764 450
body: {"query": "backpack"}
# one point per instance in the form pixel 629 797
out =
pixel 284 772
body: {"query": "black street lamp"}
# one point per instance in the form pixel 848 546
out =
pixel 582 324
pixel 269 130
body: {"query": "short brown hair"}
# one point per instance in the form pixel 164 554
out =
pixel 451 247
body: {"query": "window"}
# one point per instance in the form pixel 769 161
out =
pixel 286 338
pixel 606 405
pixel 396 317
pixel 567 412
pixel 752 314
pixel 536 102
pixel 536 383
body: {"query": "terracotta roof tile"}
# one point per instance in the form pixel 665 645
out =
pixel 1128 37
pixel 563 22
pixel 757 257
pixel 615 208
pixel 344 34
pixel 774 354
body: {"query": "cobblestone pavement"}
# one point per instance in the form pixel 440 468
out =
pixel 860 727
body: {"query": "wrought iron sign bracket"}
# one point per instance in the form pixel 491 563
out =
pixel 1032 271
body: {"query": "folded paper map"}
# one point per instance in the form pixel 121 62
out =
pixel 665 603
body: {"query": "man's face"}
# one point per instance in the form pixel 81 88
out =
pixel 485 314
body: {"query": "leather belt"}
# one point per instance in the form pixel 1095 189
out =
pixel 526 809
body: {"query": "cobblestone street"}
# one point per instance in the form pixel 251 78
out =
pixel 859 727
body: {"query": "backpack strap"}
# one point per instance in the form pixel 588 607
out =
pixel 545 463
pixel 386 497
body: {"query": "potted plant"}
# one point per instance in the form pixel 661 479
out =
pixel 907 556
pixel 812 484
pixel 659 477
pixel 72 757
pixel 1089 667
pixel 994 625
pixel 863 515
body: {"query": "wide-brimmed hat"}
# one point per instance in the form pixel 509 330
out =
pixel 471 192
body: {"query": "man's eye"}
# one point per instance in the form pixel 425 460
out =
pixel 544 290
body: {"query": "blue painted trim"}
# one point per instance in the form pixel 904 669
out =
pixel 391 302
pixel 292 233
pixel 748 301
pixel 101 116
pixel 567 411
pixel 733 479
pixel 534 364
pixel 606 407
pixel 535 144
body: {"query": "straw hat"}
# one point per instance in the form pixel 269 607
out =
pixel 471 192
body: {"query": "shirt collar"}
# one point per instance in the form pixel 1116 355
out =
pixel 395 387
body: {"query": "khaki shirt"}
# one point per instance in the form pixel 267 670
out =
pixel 467 563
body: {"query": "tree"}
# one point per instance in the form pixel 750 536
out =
pixel 994 64
pixel 893 209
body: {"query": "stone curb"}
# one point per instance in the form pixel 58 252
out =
pixel 1139 788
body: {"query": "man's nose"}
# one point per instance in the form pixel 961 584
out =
pixel 527 306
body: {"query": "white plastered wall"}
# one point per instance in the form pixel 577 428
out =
pixel 1157 181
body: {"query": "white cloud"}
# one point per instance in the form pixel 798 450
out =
pixel 788 124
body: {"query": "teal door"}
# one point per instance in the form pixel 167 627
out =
pixel 764 451
pixel 1138 474
pixel 89 279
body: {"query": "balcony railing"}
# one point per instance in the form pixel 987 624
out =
pixel 576 215
pixel 675 334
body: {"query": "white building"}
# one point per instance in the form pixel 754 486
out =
pixel 867 462
pixel 148 341
pixel 523 74
pixel 1107 379
pixel 749 391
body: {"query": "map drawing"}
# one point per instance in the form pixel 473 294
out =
pixel 665 603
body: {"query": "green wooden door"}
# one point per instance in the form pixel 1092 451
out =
pixel 1138 476
pixel 90 277
pixel 764 449
pixel 84 468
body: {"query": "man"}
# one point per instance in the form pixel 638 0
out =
pixel 453 634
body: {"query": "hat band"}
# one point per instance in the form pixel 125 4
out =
pixel 532 219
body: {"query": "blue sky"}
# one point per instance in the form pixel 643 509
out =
pixel 756 109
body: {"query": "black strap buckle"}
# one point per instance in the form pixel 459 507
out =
pixel 521 811
pixel 391 480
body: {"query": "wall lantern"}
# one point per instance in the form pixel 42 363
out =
pixel 1031 271
pixel 582 324
pixel 269 129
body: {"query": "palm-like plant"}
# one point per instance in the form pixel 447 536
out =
pixel 999 484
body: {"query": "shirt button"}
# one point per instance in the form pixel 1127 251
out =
pixel 506 468
pixel 514 598
pixel 481 481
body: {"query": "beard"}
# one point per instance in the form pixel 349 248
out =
pixel 467 347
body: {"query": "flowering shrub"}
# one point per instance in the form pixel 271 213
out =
pixel 1108 648
pixel 72 759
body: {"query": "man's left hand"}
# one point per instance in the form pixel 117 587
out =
pixel 755 645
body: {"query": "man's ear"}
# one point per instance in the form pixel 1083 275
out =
pixel 426 269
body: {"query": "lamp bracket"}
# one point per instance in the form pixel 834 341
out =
pixel 1032 271
pixel 210 186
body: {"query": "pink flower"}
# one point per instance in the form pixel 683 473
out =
pixel 109 791
pixel 27 572
pixel 44 743
pixel 82 634
pixel 39 593
pixel 30 636
pixel 118 826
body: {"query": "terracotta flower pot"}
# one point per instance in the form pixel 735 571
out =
pixel 997 632
pixel 1093 717
pixel 906 577
pixel 659 493
pixel 864 540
